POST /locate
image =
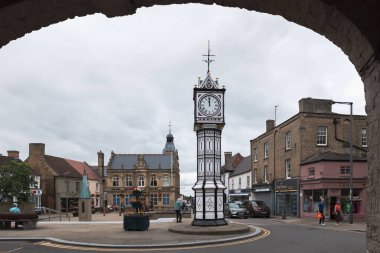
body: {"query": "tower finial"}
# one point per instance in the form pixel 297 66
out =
pixel 170 127
pixel 208 58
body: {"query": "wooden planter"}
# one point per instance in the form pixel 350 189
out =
pixel 136 222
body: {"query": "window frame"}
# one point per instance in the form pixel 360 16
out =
pixel 128 181
pixel 255 155
pixel 141 181
pixel 266 150
pixel 254 176
pixel 322 134
pixel 166 199
pixel 153 180
pixel 154 199
pixel 288 167
pixel 115 181
pixel 309 170
pixel 345 170
pixel 288 140
pixel 266 174
pixel 166 180
pixel 364 138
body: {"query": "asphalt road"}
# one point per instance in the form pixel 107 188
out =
pixel 279 238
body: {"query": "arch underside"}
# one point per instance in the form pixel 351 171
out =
pixel 352 25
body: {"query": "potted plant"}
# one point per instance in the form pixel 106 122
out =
pixel 136 220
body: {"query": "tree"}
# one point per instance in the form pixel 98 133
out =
pixel 15 181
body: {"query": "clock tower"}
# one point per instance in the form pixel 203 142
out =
pixel 208 124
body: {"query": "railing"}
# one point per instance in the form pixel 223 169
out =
pixel 51 213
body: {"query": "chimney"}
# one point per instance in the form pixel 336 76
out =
pixel 36 150
pixel 227 157
pixel 315 105
pixel 13 154
pixel 270 124
pixel 100 163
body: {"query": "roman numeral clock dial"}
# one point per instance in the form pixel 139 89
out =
pixel 209 105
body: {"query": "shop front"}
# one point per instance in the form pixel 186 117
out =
pixel 239 195
pixel 287 197
pixel 263 192
pixel 332 191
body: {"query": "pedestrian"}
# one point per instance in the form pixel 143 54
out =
pixel 321 210
pixel 177 208
pixel 14 209
pixel 337 212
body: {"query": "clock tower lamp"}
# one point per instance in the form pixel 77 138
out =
pixel 208 124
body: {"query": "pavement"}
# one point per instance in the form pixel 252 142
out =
pixel 107 231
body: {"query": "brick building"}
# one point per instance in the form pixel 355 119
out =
pixel 278 153
pixel 157 175
pixel 61 179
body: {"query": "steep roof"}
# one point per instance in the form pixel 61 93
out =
pixel 242 167
pixel 332 157
pixel 81 166
pixel 62 167
pixel 128 161
pixel 232 163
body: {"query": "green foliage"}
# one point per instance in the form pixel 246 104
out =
pixel 15 181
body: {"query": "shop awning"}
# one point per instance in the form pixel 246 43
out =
pixel 239 194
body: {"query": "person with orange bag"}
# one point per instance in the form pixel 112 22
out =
pixel 321 211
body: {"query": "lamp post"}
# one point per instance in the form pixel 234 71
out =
pixel 351 168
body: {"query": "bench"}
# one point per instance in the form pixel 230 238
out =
pixel 27 220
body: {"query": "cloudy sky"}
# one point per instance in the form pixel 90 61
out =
pixel 94 83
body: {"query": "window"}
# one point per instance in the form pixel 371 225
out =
pixel 165 199
pixel 97 187
pixel 248 181
pixel 266 174
pixel 77 186
pixel 266 150
pixel 153 180
pixel 311 199
pixel 127 198
pixel 288 140
pixel 166 180
pixel 311 171
pixel 153 199
pixel 67 186
pixel 239 183
pixel 287 168
pixel 128 180
pixel 255 154
pixel 322 136
pixel 364 137
pixel 116 199
pixel 345 170
pixel 255 175
pixel 115 181
pixel 141 180
pixel 233 184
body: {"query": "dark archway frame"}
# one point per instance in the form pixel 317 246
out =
pixel 352 25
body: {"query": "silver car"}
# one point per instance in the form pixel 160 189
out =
pixel 236 210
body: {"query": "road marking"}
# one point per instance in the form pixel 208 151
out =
pixel 13 250
pixel 265 233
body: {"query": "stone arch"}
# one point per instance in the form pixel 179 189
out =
pixel 351 25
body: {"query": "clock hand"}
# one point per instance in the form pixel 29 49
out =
pixel 209 104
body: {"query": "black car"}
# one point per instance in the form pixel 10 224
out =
pixel 257 208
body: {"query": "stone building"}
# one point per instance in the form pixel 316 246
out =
pixel 61 179
pixel 157 175
pixel 278 153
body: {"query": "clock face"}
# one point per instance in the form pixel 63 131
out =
pixel 209 105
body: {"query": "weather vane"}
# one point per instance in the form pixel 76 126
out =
pixel 208 58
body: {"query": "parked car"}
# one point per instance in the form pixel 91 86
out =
pixel 236 210
pixel 257 208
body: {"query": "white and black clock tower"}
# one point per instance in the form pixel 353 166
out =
pixel 208 124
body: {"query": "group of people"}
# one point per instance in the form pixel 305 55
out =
pixel 321 212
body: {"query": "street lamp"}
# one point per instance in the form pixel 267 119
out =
pixel 351 168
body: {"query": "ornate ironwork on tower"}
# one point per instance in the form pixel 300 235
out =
pixel 208 124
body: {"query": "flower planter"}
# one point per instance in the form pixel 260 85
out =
pixel 136 222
